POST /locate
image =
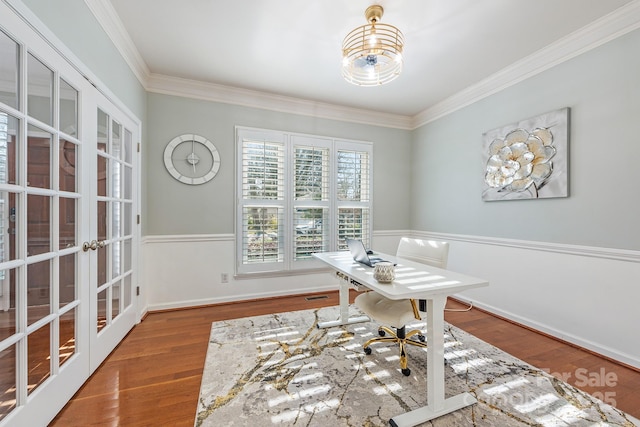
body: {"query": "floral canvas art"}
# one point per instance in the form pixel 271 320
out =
pixel 528 159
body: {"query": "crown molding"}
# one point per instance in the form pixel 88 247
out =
pixel 168 85
pixel 112 25
pixel 609 27
pixel 617 23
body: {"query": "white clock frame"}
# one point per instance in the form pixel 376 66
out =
pixel 190 138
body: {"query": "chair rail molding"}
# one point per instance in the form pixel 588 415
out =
pixel 563 248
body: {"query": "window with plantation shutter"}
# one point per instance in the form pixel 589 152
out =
pixel 353 196
pixel 298 194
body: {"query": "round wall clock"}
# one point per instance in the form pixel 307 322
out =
pixel 191 159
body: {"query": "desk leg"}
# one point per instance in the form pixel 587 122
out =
pixel 437 405
pixel 344 309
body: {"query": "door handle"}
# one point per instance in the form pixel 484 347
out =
pixel 93 245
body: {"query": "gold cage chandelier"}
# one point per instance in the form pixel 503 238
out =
pixel 372 54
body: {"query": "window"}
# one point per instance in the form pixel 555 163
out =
pixel 298 194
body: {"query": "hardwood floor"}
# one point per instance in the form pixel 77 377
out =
pixel 153 377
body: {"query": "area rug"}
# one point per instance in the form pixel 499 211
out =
pixel 281 370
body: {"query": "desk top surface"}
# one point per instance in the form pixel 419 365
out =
pixel 413 279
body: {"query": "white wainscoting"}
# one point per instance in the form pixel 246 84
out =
pixel 584 295
pixel 186 271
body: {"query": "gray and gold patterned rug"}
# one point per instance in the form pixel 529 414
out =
pixel 281 370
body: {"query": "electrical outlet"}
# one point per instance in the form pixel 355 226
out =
pixel 224 278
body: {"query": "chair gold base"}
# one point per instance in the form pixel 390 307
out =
pixel 403 339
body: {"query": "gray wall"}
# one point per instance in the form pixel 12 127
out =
pixel 602 89
pixel 175 208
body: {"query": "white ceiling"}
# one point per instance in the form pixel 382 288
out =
pixel 293 48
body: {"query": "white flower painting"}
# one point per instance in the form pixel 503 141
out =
pixel 528 159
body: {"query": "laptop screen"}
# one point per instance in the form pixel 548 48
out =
pixel 358 251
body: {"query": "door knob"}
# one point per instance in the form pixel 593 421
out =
pixel 93 245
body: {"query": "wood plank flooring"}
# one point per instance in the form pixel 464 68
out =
pixel 153 377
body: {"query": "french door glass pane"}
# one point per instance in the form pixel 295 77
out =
pixel 7 226
pixel 102 264
pixel 116 179
pixel 38 291
pixel 128 149
pixel 39 90
pixel 103 130
pixel 67 279
pixel 67 335
pixel 7 380
pixel 38 357
pixel 116 220
pixel 68 159
pixel 9 135
pixel 116 143
pixel 9 71
pixel 115 265
pixel 68 109
pixel 102 175
pixel 8 319
pixel 126 296
pixel 102 220
pixel 126 255
pixel 11 219
pixel 115 300
pixel 67 226
pixel 38 158
pixel 102 310
pixel 128 182
pixel 127 221
pixel 38 224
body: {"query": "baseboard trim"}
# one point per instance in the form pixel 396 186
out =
pixel 615 357
pixel 152 308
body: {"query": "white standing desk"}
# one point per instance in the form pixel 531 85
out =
pixel 417 281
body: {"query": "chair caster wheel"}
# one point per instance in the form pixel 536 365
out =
pixel 367 350
pixel 381 332
pixel 422 338
pixel 406 372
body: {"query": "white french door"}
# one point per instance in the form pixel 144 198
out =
pixel 68 239
pixel 112 227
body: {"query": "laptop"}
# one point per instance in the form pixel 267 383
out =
pixel 359 253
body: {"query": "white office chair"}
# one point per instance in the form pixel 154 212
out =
pixel 399 313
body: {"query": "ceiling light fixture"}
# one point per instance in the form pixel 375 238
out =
pixel 372 54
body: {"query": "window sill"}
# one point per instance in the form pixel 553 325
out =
pixel 287 273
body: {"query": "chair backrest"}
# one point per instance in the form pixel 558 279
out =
pixel 429 252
